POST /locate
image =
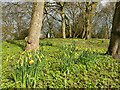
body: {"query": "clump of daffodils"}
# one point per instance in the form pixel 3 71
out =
pixel 31 62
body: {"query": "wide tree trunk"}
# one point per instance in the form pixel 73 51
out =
pixel 114 45
pixel 35 27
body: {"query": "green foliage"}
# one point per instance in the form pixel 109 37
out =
pixel 63 64
pixel 26 70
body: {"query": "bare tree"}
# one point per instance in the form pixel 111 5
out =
pixel 16 19
pixel 58 9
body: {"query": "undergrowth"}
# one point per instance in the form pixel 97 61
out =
pixel 65 67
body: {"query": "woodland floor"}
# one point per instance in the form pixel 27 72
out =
pixel 68 63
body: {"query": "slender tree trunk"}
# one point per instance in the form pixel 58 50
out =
pixel 83 32
pixel 63 19
pixel 34 33
pixel 88 27
pixel 87 21
pixel 92 12
pixel 63 24
pixel 114 45
pixel 70 29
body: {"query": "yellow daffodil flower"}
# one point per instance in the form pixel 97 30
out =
pixel 31 62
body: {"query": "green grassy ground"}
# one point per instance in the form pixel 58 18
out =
pixel 65 63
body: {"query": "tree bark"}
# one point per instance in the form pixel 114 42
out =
pixel 114 45
pixel 70 28
pixel 89 12
pixel 35 27
pixel 63 26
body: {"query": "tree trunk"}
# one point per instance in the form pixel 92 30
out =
pixel 114 45
pixel 89 12
pixel 87 21
pixel 63 25
pixel 70 29
pixel 35 27
pixel 63 19
pixel 83 32
pixel 88 27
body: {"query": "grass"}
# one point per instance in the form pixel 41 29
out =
pixel 60 63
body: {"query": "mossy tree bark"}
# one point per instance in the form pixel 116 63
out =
pixel 114 45
pixel 35 27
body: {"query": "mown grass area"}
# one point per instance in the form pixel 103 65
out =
pixel 59 63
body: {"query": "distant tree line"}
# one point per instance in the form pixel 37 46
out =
pixel 60 20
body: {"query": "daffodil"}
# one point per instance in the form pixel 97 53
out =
pixel 31 62
pixel 23 53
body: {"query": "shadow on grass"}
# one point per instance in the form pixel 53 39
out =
pixel 102 53
pixel 21 45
